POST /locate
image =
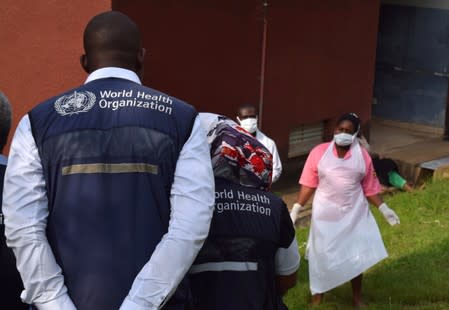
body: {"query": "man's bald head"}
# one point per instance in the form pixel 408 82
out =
pixel 112 39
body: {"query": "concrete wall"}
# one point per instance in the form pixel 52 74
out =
pixel 320 56
pixel 412 65
pixel 40 48
pixel 436 4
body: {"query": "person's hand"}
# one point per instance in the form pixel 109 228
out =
pixel 389 214
pixel 294 213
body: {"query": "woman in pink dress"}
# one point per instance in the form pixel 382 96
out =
pixel 344 239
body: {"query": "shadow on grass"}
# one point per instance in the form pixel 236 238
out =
pixel 417 280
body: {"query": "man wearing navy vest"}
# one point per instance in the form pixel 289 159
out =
pixel 250 257
pixel 101 207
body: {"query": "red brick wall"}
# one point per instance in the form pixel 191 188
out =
pixel 320 62
pixel 320 56
pixel 40 48
pixel 205 52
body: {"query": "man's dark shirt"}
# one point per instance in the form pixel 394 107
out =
pixel 10 283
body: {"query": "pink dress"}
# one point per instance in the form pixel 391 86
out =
pixel 344 239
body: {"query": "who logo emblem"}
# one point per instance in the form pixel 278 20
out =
pixel 75 103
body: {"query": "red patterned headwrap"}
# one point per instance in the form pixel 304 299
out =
pixel 238 156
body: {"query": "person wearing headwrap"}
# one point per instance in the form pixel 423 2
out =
pixel 344 239
pixel 250 257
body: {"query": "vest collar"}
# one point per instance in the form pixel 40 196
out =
pixel 113 72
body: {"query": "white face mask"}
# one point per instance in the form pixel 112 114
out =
pixel 249 124
pixel 344 139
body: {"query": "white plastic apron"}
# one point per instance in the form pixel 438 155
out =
pixel 344 239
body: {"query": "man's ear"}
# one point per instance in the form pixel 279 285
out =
pixel 141 55
pixel 140 62
pixel 83 62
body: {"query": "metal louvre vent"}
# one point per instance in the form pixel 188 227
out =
pixel 303 138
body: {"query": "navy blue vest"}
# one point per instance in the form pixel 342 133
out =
pixel 109 151
pixel 235 268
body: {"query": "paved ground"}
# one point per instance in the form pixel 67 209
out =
pixel 409 147
pixel 406 144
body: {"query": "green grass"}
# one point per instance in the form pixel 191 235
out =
pixel 416 273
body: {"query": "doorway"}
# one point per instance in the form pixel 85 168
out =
pixel 411 83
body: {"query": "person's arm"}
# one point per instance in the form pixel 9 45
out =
pixel 287 264
pixel 371 188
pixel 277 164
pixel 375 200
pixel 284 283
pixel 287 257
pixel 304 194
pixel 192 199
pixel 309 181
pixel 391 216
pixel 25 208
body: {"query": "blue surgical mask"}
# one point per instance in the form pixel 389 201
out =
pixel 344 139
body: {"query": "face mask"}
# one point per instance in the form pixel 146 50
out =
pixel 249 124
pixel 344 139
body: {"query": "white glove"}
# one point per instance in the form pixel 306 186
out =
pixel 294 213
pixel 389 214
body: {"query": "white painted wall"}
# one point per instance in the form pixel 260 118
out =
pixel 436 4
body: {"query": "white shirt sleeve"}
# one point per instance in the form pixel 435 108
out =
pixel 277 165
pixel 25 208
pixel 287 260
pixel 192 199
pixel 271 146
